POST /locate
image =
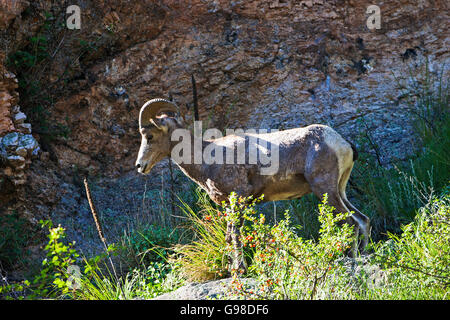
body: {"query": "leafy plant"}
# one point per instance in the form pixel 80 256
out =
pixel 52 280
pixel 422 252
pixel 288 266
pixel 93 279
pixel 146 283
pixel 148 244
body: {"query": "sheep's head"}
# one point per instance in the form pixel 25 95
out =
pixel 157 118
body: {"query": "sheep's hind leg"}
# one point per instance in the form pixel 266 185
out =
pixel 334 200
pixel 363 220
pixel 323 177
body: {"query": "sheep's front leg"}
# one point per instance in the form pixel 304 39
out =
pixel 236 260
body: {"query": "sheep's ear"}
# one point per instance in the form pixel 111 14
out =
pixel 161 124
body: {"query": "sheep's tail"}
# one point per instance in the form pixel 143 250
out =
pixel 355 152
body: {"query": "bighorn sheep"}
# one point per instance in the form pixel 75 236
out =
pixel 311 159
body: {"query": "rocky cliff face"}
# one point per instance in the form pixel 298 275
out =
pixel 258 64
pixel 17 145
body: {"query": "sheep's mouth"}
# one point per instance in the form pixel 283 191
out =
pixel 145 166
pixel 144 169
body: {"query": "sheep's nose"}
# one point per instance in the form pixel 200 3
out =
pixel 138 165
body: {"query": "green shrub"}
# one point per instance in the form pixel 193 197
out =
pixel 288 266
pixel 64 276
pixel 412 265
pixel 418 260
pixel 52 280
pixel 148 244
pixel 304 213
pixel 147 283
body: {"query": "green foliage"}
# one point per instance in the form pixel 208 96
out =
pixel 288 266
pixel 145 252
pixel 390 197
pixel 148 244
pixel 432 164
pixel 52 280
pixel 15 236
pixel 205 257
pixel 145 283
pixel 156 279
pixel 36 52
pixel 412 265
pixel 420 256
pixel 94 280
pixel 86 46
pixel 14 291
pixel 304 213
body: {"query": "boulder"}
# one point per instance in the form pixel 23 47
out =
pixel 215 289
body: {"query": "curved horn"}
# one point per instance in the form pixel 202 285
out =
pixel 152 108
